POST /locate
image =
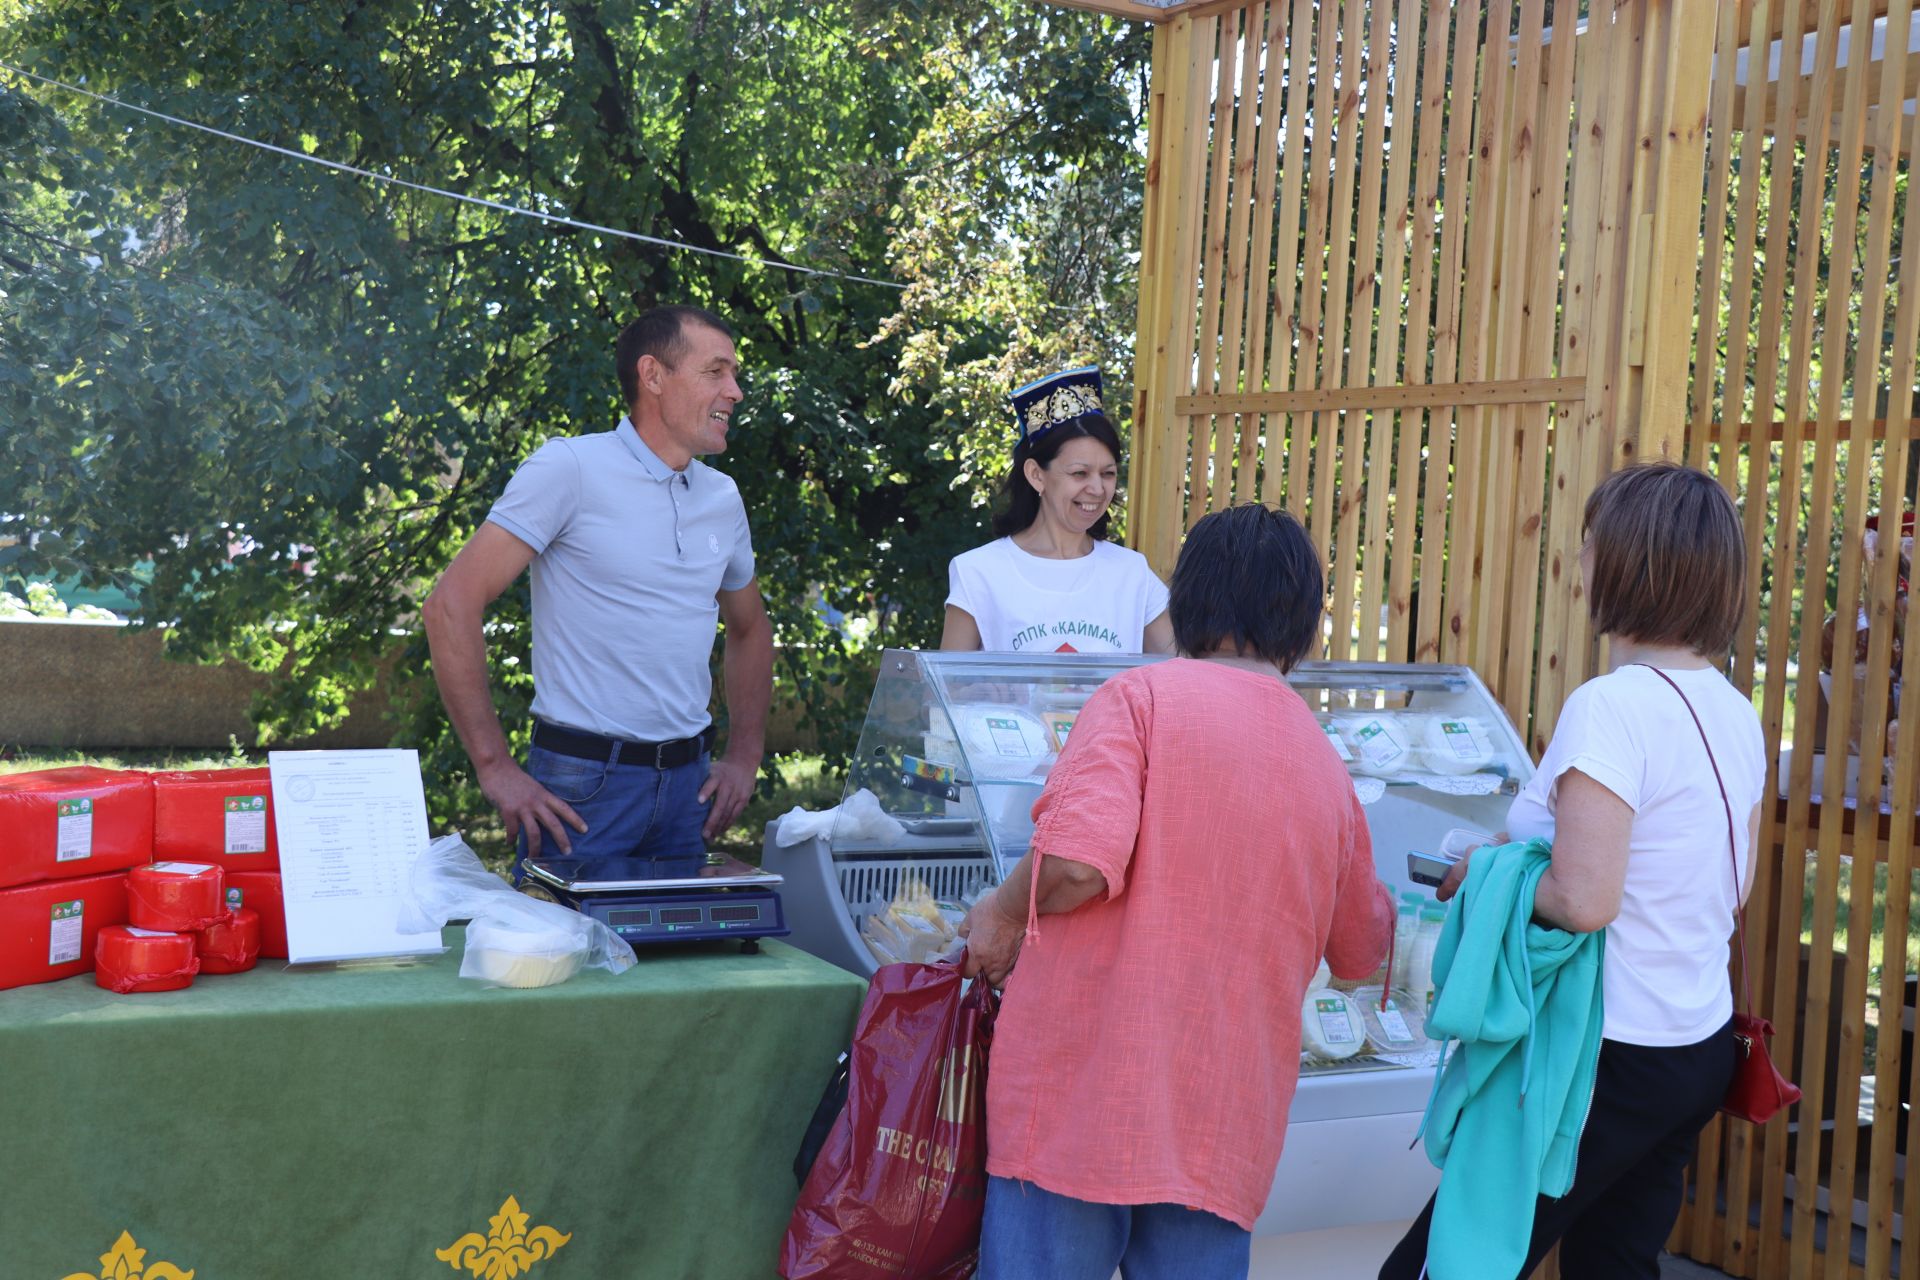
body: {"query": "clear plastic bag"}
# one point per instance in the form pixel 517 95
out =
pixel 512 940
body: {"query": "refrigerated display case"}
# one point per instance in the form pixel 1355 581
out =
pixel 957 746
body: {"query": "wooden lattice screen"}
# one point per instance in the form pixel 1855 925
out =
pixel 1809 332
pixel 1406 271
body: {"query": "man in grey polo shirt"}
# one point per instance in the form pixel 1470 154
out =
pixel 636 548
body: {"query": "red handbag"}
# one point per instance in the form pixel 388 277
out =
pixel 1757 1092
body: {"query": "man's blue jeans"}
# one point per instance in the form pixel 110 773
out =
pixel 631 811
pixel 1032 1234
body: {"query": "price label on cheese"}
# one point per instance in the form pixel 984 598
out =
pixel 63 946
pixel 75 839
pixel 233 899
pixel 246 824
pixel 1460 738
pixel 1336 1026
pixel 1378 744
pixel 1339 743
pixel 1008 740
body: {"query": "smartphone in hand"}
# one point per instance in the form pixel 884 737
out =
pixel 1429 868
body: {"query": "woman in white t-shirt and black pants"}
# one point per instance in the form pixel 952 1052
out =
pixel 1627 796
pixel 1051 582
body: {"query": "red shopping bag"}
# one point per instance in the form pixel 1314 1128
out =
pixel 900 1185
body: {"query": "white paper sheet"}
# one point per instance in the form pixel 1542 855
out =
pixel 350 824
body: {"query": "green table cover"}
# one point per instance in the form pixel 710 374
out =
pixel 377 1120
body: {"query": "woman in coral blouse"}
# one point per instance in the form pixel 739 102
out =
pixel 1196 852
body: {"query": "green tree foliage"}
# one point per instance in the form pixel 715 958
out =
pixel 297 391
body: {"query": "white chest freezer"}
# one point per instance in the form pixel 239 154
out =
pixel 957 746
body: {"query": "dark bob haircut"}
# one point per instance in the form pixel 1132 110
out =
pixel 1023 500
pixel 660 332
pixel 1248 579
pixel 1669 560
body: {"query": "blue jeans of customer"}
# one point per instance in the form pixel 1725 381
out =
pixel 631 810
pixel 1033 1234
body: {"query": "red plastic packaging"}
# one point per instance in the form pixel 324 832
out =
pixel 260 890
pixel 899 1187
pixel 175 897
pixel 47 930
pixel 229 945
pixel 222 816
pixel 57 824
pixel 129 960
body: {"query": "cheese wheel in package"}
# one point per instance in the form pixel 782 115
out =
pixel 230 944
pixel 56 824
pixel 222 816
pixel 175 897
pixel 1456 744
pixel 1381 741
pixel 48 930
pixel 1330 1025
pixel 1002 742
pixel 128 960
pixel 260 891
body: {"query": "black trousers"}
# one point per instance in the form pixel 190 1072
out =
pixel 1649 1106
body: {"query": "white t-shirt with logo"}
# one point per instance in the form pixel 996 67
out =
pixel 1665 980
pixel 1023 603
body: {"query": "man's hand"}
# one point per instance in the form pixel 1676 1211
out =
pixel 729 786
pixel 527 806
pixel 993 940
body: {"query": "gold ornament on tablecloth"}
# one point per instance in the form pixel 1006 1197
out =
pixel 127 1261
pixel 508 1251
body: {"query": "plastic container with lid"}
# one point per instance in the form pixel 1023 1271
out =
pixel 1395 1028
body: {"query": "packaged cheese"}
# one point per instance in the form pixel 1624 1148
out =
pixel 129 960
pixel 56 824
pixel 1002 741
pixel 175 897
pixel 48 930
pixel 222 816
pixel 1330 1025
pixel 1456 744
pixel 1382 741
pixel 231 944
pixel 260 890
pixel 1392 1026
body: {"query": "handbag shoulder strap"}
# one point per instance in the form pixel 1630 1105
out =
pixel 1733 852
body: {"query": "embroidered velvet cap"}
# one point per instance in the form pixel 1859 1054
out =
pixel 1045 403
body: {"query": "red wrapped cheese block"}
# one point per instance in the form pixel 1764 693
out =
pixel 56 824
pixel 222 816
pixel 260 890
pixel 127 960
pixel 230 945
pixel 47 930
pixel 175 897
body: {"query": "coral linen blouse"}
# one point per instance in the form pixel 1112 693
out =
pixel 1149 1041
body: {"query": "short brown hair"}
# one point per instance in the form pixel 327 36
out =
pixel 1669 558
pixel 660 333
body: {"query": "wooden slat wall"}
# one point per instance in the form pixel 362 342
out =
pixel 1375 228
pixel 1820 348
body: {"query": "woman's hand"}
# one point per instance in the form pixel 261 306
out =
pixel 1456 876
pixel 993 940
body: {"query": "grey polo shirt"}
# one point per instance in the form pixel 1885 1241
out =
pixel 629 557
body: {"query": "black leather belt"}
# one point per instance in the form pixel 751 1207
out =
pixel 591 746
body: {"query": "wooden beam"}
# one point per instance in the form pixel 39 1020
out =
pixel 1406 396
pixel 1879 10
pixel 1126 8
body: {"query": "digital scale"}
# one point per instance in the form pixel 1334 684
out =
pixel 692 898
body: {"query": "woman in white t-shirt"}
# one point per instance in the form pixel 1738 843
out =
pixel 1627 794
pixel 1051 582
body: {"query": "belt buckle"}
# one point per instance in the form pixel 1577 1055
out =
pixel 660 756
